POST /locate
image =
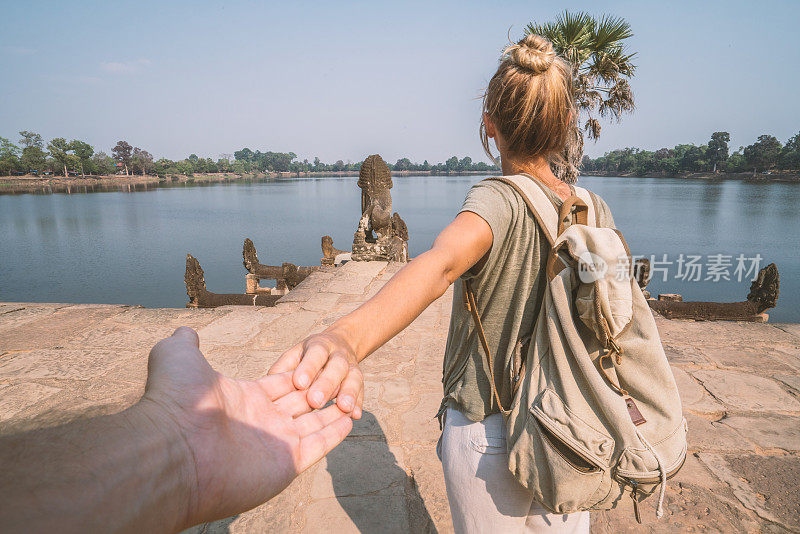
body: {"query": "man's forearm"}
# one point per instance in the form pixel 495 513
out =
pixel 130 471
pixel 396 305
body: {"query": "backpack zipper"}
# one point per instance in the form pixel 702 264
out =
pixel 554 443
pixel 652 480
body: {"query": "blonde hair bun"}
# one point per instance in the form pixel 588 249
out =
pixel 533 53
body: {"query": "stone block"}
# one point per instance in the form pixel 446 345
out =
pixel 352 515
pixel 396 391
pixel 739 359
pixel 284 332
pixel 321 302
pixel 791 380
pixel 18 397
pixel 768 431
pixel 363 269
pixel 711 436
pixel 775 483
pixel 419 423
pixel 747 392
pixel 749 476
pixel 694 397
pixel 64 364
pixel 234 329
pixel 793 329
pixel 52 329
pixel 359 467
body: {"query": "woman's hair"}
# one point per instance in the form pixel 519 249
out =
pixel 530 100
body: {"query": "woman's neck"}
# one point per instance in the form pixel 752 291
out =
pixel 539 168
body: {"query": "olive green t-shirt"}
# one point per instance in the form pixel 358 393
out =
pixel 508 290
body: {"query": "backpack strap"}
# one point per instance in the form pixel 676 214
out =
pixel 593 215
pixel 537 201
pixel 547 218
pixel 473 308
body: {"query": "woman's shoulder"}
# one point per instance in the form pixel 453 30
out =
pixel 492 194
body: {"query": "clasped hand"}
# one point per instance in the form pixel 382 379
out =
pixel 327 367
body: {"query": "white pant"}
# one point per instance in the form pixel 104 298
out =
pixel 484 496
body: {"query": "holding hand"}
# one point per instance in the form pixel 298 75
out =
pixel 247 439
pixel 198 446
pixel 327 366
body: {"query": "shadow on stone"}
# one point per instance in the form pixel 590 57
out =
pixel 375 491
pixel 223 526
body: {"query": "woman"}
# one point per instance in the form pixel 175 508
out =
pixel 494 243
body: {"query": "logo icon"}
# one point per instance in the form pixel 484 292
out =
pixel 591 267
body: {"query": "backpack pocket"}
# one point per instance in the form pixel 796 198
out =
pixel 570 458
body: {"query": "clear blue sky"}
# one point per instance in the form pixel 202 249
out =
pixel 341 80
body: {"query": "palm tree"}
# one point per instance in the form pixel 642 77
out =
pixel 602 67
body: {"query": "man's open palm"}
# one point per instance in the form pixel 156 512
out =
pixel 248 439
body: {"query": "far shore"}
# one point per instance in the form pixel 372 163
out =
pixel 77 184
pixel 759 177
pixel 61 184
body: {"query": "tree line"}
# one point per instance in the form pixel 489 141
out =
pixel 765 155
pixel 30 155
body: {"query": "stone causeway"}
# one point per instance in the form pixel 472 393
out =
pixel 740 385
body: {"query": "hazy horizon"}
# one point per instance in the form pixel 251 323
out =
pixel 345 81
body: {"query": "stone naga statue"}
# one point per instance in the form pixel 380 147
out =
pixel 381 236
pixel 375 181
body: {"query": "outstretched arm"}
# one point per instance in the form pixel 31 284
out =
pixel 327 363
pixel 198 446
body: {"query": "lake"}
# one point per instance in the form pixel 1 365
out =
pixel 130 247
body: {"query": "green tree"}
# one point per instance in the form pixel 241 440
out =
pixel 402 164
pixel 790 155
pixel 33 155
pixel 59 150
pixel 83 152
pixel 9 156
pixel 103 164
pixel 763 154
pixel 122 153
pixel 141 160
pixel 718 148
pixel 736 161
pixel 602 65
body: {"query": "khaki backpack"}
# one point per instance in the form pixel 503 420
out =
pixel 596 413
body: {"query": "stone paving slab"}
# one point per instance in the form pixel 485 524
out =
pixel 740 385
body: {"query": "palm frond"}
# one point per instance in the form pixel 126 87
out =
pixel 592 128
pixel 610 31
pixel 602 64
pixel 618 101
pixel 570 34
pixel 611 64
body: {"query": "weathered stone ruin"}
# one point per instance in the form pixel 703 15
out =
pixel 380 236
pixel 329 252
pixel 286 276
pixel 200 297
pixel 763 295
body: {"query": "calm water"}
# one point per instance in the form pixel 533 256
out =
pixel 119 247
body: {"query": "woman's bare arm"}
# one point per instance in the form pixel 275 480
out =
pixel 327 363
